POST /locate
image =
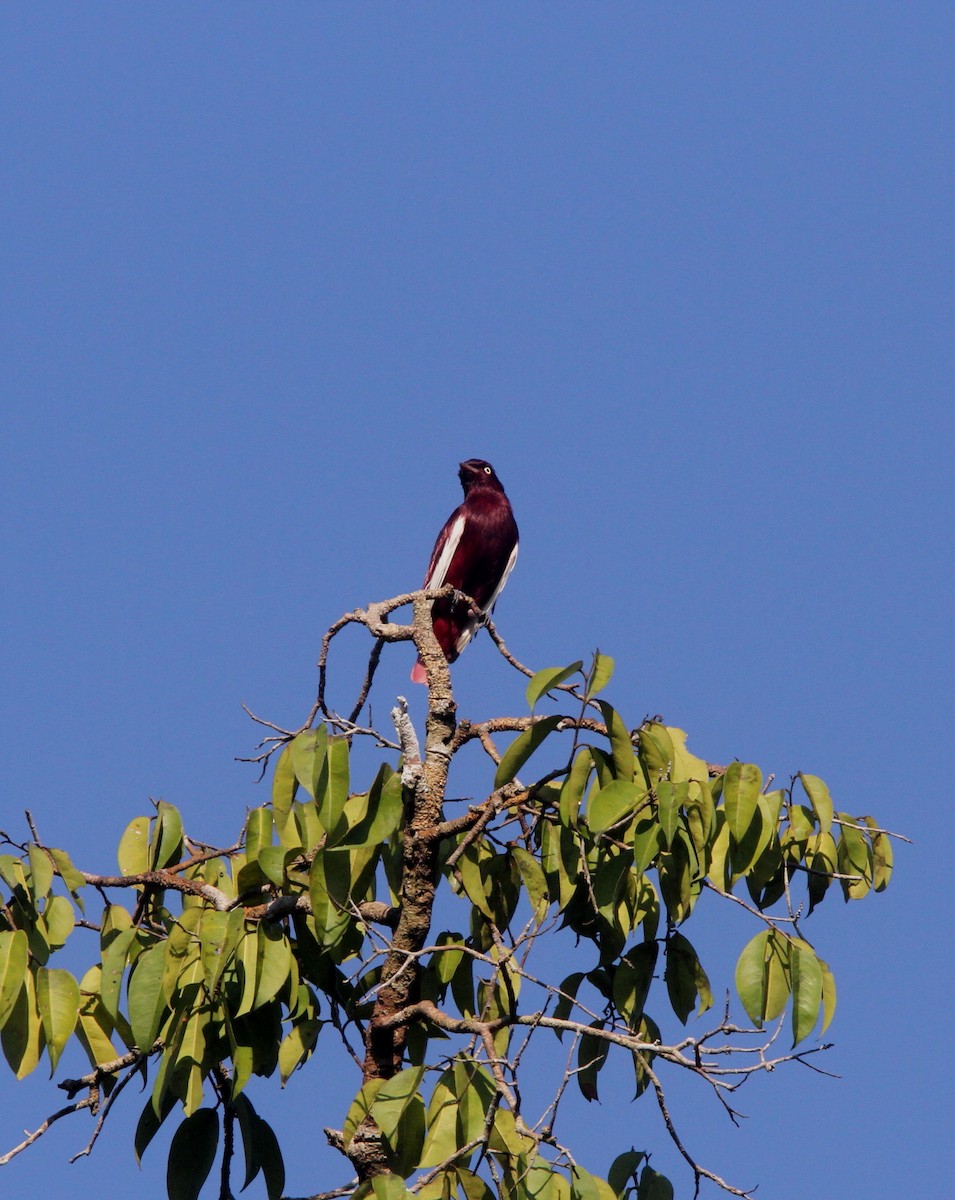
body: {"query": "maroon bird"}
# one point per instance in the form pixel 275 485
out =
pixel 475 552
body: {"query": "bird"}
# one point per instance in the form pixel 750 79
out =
pixel 475 553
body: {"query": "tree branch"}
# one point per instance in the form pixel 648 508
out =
pixel 89 1102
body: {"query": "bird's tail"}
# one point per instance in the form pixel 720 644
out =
pixel 418 673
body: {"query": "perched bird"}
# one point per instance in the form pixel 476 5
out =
pixel 475 552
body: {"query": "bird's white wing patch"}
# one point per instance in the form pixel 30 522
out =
pixel 437 577
pixel 500 587
pixel 469 630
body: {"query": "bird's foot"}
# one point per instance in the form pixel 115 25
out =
pixel 464 601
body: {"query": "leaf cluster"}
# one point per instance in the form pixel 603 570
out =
pixel 224 965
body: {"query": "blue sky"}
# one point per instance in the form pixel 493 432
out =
pixel 683 274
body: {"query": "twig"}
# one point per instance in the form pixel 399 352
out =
pixel 88 1102
pixel 369 676
pixel 698 1170
pixel 104 1112
pixel 870 830
pixel 346 1190
pixel 165 879
pixel 104 1070
pixel 228 1150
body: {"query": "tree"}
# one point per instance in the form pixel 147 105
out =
pixel 215 963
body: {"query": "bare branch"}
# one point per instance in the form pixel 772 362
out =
pixel 104 1070
pixel 51 1120
pixel 165 879
pixel 104 1111
pixel 698 1170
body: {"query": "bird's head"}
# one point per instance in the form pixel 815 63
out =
pixel 478 473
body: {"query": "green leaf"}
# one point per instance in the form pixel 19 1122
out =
pixel 631 981
pixel 473 1186
pixel 654 1186
pixel 58 999
pixel 828 996
pixel 247 961
pixel 560 858
pixel 94 1026
pixel 701 819
pixel 274 963
pixel 360 1108
pixel 523 746
pixel 14 952
pixel 600 674
pixel 41 871
pixel 881 856
pixel 271 862
pixel 474 1089
pixel 331 804
pixel 763 976
pixel 149 1124
pixel 678 884
pixel 329 883
pixel 656 750
pixel 505 1137
pixel 591 1056
pixel 718 873
pixel 623 1169
pixel 584 1186
pixel 534 881
pixel 389 1187
pixel 686 766
pixel 258 833
pixel 73 879
pixel 445 961
pixel 442 1139
pixel 819 798
pixel 216 957
pixel 647 1031
pixel 192 1016
pixel 565 1001
pixel 620 744
pixel 22 1034
pixel 746 851
pixel 778 986
pixel 145 998
pixel 647 841
pixel 572 790
pixel 806 972
pixel 801 823
pixel 750 976
pixel 685 978
pixel 270 1156
pixel 13 874
pixel 307 754
pixel 854 858
pixel 246 1116
pixel 822 864
pixel 166 839
pixel 670 798
pixel 59 918
pixel 284 787
pixel 741 787
pixel 297 1046
pixel 191 1154
pixel 133 852
pixel 619 799
pixel 384 811
pixel 393 1098
pixel 114 964
pixel 543 681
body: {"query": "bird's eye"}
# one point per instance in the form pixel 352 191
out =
pixel 487 470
